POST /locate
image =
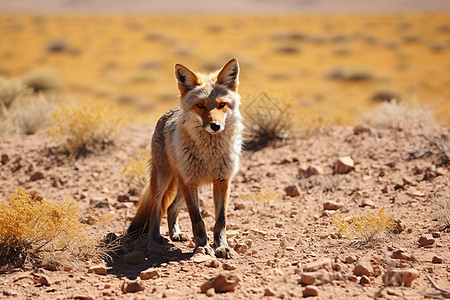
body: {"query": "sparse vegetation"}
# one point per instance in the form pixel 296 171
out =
pixel 84 128
pixel 394 113
pixel 42 80
pixel 442 212
pixel 265 197
pixel 36 230
pixel 365 227
pixel 137 169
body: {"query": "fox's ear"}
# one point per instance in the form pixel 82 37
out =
pixel 229 75
pixel 187 80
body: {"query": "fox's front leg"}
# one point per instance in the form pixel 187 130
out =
pixel 190 194
pixel 221 193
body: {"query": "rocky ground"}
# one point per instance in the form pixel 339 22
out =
pixel 280 220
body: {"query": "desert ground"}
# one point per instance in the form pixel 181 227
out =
pixel 346 156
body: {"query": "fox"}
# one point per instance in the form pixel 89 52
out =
pixel 195 144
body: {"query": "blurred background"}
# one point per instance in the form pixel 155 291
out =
pixel 337 60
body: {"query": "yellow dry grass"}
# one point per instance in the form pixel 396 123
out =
pixel 37 230
pixel 136 170
pixel 331 64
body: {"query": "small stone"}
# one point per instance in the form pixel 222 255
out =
pixel 350 259
pixel 5 159
pixel 436 234
pixel 9 292
pixel 134 258
pixel 402 254
pixel 202 258
pixel 131 286
pixel 310 291
pixel 99 270
pixel 437 260
pixel 268 292
pixel 83 297
pixel 44 280
pixel 150 274
pixel 292 191
pixel 49 267
pixel 279 224
pixel 400 277
pixel 228 266
pixel 364 280
pixel 353 278
pixel 441 171
pixel 343 165
pixel 315 278
pixel 123 198
pixel 99 202
pixel 312 171
pixel 331 205
pixel 400 226
pixel 222 283
pixel 363 267
pixel 37 176
pixel 214 264
pixel 367 202
pixel 426 240
pixel 239 206
pixel 241 248
pixel 325 264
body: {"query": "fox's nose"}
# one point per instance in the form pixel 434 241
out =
pixel 215 126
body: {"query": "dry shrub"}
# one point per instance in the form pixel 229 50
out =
pixel 395 113
pixel 441 211
pixel 269 116
pixel 137 169
pixel 10 91
pixel 365 227
pixel 84 128
pixel 42 80
pixel 36 230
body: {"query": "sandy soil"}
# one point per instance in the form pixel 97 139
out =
pixel 277 236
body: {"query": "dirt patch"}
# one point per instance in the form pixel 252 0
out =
pixel 286 244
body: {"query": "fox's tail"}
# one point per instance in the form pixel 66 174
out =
pixel 140 224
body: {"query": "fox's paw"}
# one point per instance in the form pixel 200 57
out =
pixel 180 237
pixel 224 252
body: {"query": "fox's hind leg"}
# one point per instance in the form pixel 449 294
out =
pixel 164 186
pixel 221 194
pixel 172 219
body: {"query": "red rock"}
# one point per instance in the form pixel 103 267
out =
pixel 150 274
pixel 5 159
pixel 241 248
pixel 268 292
pixel 363 267
pixel 292 191
pixel 222 283
pixel 364 280
pixel 310 291
pixel 37 176
pixel 426 240
pixel 316 278
pixel 400 226
pixel 437 260
pixel 331 205
pixel 402 254
pixel 325 264
pixel 99 270
pixel 131 286
pixel 343 165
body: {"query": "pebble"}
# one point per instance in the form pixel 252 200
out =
pixel 241 248
pixel 49 267
pixel 400 226
pixel 131 286
pixel 437 260
pixel 123 198
pixel 331 205
pixel 37 176
pixel 400 277
pixel 83 297
pixel 343 165
pixel 358 129
pixel 228 266
pixel 364 280
pixel 5 159
pixel 367 202
pixel 134 258
pixel 350 259
pixel 268 292
pixel 99 270
pixel 315 278
pixel 312 171
pixel 363 267
pixel 402 254
pixel 310 291
pixel 202 258
pixel 150 274
pixel 292 191
pixel 44 280
pixel 239 206
pixel 222 283
pixel 426 240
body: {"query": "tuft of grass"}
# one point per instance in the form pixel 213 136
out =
pixel 42 80
pixel 10 91
pixel 365 227
pixel 394 113
pixel 37 230
pixel 266 197
pixel 84 128
pixel 269 117
pixel 137 169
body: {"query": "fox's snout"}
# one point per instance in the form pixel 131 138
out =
pixel 215 126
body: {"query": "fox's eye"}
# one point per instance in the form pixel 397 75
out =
pixel 200 106
pixel 222 105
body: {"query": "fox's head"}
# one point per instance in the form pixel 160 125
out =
pixel 209 101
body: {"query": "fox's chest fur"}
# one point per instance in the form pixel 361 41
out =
pixel 201 157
